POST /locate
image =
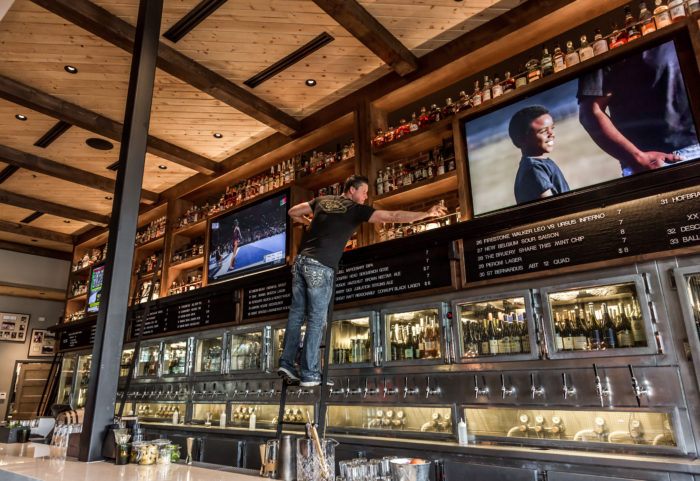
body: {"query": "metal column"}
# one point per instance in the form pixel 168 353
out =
pixel 111 320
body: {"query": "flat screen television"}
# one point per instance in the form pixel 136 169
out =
pixel 250 239
pixel 96 278
pixel 627 117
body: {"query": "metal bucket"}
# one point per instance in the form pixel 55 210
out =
pixel 402 470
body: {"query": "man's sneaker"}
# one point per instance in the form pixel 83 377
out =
pixel 329 383
pixel 288 374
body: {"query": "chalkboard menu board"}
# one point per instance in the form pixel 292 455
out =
pixel 417 270
pixel 643 226
pixel 267 299
pixel 78 338
pixel 208 312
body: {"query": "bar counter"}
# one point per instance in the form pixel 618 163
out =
pixel 18 463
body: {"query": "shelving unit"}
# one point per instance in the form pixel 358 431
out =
pixel 417 141
pixel 415 192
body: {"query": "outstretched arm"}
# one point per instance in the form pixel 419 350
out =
pixel 299 213
pixel 381 216
pixel 604 133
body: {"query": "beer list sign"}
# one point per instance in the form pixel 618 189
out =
pixel 650 224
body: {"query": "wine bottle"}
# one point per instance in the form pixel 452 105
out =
pixel 581 335
pixel 624 329
pixel 493 338
pixel 595 331
pixel 609 331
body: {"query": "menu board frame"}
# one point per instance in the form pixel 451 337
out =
pixel 78 332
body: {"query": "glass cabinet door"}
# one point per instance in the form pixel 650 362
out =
pixel 208 354
pixel 125 363
pixel 246 350
pixel 494 327
pixel 605 319
pixel 65 382
pixel 278 344
pixel 410 420
pixel 413 335
pixel 149 360
pixel 351 341
pixel 82 380
pixel 175 358
pixel 688 282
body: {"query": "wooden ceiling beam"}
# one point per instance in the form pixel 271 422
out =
pixel 111 28
pixel 19 200
pixel 85 119
pixel 35 250
pixel 363 26
pixel 64 172
pixel 36 232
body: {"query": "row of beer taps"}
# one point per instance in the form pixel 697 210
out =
pixel 387 391
pixel 568 390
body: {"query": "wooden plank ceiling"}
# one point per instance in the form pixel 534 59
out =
pixel 237 41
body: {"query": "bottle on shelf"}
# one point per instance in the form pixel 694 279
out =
pixel 662 17
pixel 413 126
pixel 624 329
pixel 508 83
pixel 486 91
pixel 497 88
pixel 572 57
pixel 423 119
pixel 435 114
pixel 463 102
pixel 476 97
pixel 693 6
pixel 378 139
pixel 585 52
pixel 609 330
pixel 533 69
pixel 646 20
pixel 595 330
pixel 546 62
pixel 402 129
pixel 600 44
pixel 618 37
pixel 631 28
pixel 521 77
pixel 449 108
pixel 677 10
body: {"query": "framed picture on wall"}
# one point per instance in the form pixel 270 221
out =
pixel 42 343
pixel 13 326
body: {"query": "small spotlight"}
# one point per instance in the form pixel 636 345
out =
pixel 108 197
pixel 218 135
pixel 21 117
pixel 66 221
pixel 163 167
pixel 34 240
pixel 70 69
pixel 310 82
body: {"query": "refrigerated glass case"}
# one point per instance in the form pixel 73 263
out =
pixel 125 362
pixel 353 340
pixel 149 360
pixel 65 382
pixel 416 335
pixel 409 420
pixel 82 378
pixel 246 350
pixel 208 354
pixel 175 358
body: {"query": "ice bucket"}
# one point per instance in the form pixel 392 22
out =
pixel 402 470
pixel 309 466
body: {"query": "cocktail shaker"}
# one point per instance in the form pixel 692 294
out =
pixel 287 464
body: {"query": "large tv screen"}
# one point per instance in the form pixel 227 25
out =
pixel 627 117
pixel 249 239
pixel 96 278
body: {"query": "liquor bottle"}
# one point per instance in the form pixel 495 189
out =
pixel 408 348
pixel 595 331
pixel 463 102
pixel 486 91
pixel 662 16
pixel 389 135
pixel 558 333
pixel 492 337
pixel 394 346
pixel 504 337
pixel 693 6
pixel 449 108
pixel 624 329
pixel 508 83
pixel 600 44
pixel 586 51
pixel 402 129
pixel 477 95
pixel 413 126
pixel 484 339
pixel 572 58
pixel 533 69
pixel 677 10
pixel 618 37
pixel 546 62
pixel 646 20
pixel 581 334
pixel 435 114
pixel 380 182
pixel 516 344
pixel 637 326
pixel 400 344
pixel 567 336
pixel 496 87
pixel 399 178
pixel 558 62
pixel 609 331
pixel 416 347
pixel 630 25
pixel 520 78
pixel 421 340
pixel 423 119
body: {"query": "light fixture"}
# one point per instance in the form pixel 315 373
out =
pixel 99 144
pixel 218 135
pixel 66 221
pixel 70 69
pixel 21 117
pixel 310 82
pixel 162 167
pixel 34 240
pixel 108 197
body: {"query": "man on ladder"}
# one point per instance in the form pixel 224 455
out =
pixel 335 219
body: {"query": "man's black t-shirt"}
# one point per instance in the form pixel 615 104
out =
pixel 335 219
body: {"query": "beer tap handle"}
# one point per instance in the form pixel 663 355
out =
pixel 638 390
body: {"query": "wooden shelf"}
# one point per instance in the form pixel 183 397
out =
pixel 153 244
pixel 187 263
pixel 195 229
pixel 81 297
pixel 415 192
pixel 337 172
pixel 82 271
pixel 145 277
pixel 423 139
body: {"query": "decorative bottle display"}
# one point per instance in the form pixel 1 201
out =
pixel 595 321
pixel 398 230
pixel 413 336
pixel 154 230
pixel 90 258
pixel 351 341
pixel 78 288
pixel 189 250
pixel 492 328
pixel 150 264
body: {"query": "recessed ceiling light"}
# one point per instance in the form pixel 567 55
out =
pixel 163 167
pixel 99 144
pixel 310 82
pixel 70 69
pixel 34 240
pixel 42 293
pixel 67 221
pixel 108 197
pixel 21 117
pixel 218 135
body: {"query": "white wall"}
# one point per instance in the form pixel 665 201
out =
pixel 37 271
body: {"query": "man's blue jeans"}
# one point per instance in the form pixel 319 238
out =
pixel 312 288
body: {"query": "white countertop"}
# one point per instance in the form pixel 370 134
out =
pixel 15 458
